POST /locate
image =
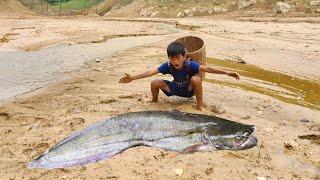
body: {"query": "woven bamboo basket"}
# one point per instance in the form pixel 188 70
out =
pixel 195 49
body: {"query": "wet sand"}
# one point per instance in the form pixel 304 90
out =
pixel 25 71
pixel 36 121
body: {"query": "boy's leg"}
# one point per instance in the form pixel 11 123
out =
pixel 196 84
pixel 155 86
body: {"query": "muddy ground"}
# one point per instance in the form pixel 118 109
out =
pixel 35 121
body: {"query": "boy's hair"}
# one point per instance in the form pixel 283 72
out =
pixel 175 49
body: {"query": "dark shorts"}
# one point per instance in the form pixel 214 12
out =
pixel 175 91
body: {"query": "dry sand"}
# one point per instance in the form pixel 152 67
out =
pixel 38 32
pixel 36 121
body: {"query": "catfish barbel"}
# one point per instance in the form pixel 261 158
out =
pixel 170 130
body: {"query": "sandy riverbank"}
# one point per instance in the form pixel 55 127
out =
pixel 34 122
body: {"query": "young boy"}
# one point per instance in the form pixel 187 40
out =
pixel 186 81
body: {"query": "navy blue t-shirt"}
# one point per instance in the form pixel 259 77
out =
pixel 180 76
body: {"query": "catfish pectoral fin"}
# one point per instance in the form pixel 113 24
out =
pixel 197 147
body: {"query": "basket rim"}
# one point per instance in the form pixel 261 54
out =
pixel 200 49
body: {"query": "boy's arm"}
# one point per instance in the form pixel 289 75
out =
pixel 218 71
pixel 128 78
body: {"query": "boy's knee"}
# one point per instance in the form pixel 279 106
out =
pixel 156 83
pixel 196 79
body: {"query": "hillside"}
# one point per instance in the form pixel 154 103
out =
pixel 13 6
pixel 182 8
pixel 189 8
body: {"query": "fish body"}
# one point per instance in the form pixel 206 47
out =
pixel 170 130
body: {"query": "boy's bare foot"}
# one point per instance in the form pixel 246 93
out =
pixel 200 106
pixel 151 101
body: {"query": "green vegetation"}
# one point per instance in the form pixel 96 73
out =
pixel 75 4
pixel 124 2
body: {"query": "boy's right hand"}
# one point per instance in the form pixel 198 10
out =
pixel 126 79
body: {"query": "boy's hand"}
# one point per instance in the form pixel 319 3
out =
pixel 126 79
pixel 233 74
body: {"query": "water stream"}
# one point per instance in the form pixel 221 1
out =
pixel 281 86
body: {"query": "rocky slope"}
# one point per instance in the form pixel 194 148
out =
pixel 189 8
pixel 12 6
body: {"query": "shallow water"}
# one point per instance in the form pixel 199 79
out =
pixel 281 86
pixel 22 71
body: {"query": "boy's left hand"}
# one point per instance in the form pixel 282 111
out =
pixel 126 79
pixel 233 74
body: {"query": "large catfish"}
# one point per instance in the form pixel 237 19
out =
pixel 170 130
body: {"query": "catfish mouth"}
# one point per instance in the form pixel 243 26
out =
pixel 250 142
pixel 245 141
pixel 231 142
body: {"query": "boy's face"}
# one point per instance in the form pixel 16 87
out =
pixel 177 61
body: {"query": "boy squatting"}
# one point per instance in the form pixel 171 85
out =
pixel 187 81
